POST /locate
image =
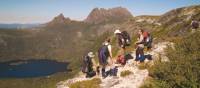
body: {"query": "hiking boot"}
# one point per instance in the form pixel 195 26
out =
pixel 104 73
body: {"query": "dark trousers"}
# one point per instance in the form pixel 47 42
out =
pixel 140 54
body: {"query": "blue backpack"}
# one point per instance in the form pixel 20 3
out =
pixel 103 54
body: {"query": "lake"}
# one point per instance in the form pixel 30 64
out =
pixel 31 68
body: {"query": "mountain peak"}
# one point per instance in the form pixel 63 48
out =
pixel 99 15
pixel 60 19
pixel 61 16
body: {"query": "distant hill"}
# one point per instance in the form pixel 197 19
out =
pixel 182 14
pixel 18 26
pixel 59 20
pixel 99 15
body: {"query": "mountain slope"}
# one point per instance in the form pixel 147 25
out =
pixel 183 14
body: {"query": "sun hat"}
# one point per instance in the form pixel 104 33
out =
pixel 91 54
pixel 117 31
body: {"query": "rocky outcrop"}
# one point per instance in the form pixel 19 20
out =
pixel 99 15
pixel 147 18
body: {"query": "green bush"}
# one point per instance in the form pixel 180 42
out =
pixel 183 70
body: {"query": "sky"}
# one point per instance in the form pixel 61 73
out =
pixel 41 11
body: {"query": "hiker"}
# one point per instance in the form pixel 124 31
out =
pixel 88 65
pixel 123 39
pixel 147 40
pixel 140 47
pixel 105 56
pixel 195 25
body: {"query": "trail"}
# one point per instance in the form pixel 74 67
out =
pixel 134 80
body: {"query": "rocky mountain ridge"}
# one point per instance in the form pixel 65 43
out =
pixel 99 15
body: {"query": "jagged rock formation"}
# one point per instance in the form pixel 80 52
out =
pixel 99 15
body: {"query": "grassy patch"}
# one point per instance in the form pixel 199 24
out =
pixel 39 82
pixel 125 73
pixel 94 83
pixel 144 65
pixel 151 83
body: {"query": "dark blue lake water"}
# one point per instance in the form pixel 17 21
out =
pixel 31 68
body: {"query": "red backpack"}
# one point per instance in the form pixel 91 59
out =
pixel 121 60
pixel 145 34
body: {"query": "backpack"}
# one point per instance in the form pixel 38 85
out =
pixel 102 52
pixel 121 60
pixel 126 37
pixel 112 72
pixel 147 37
pixel 86 64
pixel 195 24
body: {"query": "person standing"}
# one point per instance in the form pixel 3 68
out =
pixel 105 56
pixel 123 39
pixel 140 47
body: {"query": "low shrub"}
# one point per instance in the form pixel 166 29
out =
pixel 125 73
pixel 183 69
pixel 94 83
